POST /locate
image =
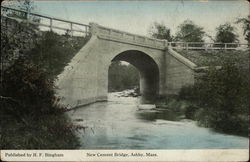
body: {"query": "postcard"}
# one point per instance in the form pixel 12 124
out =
pixel 125 80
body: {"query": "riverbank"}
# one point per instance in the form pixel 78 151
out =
pixel 189 110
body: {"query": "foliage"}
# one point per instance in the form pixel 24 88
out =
pixel 24 5
pixel 45 132
pixel 55 51
pixel 122 77
pixel 31 117
pixel 31 86
pixel 217 57
pixel 16 40
pixel 189 32
pixel 190 111
pixel 246 27
pixel 222 96
pixel 226 34
pixel 160 31
pixel 188 93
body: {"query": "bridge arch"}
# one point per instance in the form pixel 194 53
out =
pixel 148 71
pixel 85 79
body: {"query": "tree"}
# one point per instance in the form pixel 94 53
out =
pixel 160 31
pixel 189 32
pixel 24 5
pixel 54 51
pixel 122 77
pixel 27 93
pixel 226 34
pixel 246 27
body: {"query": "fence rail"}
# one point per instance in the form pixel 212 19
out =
pixel 46 21
pixel 208 46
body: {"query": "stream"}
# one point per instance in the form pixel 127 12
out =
pixel 118 124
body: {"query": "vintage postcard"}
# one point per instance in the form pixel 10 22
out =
pixel 125 80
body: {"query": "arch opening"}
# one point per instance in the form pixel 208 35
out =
pixel 122 76
pixel 148 73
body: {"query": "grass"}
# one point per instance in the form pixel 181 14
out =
pixel 216 57
pixel 45 132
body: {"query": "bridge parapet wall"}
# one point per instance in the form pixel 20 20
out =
pixel 125 37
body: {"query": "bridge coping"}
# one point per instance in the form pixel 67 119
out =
pixel 126 37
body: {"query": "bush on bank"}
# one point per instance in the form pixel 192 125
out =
pixel 54 51
pixel 220 99
pixel 31 117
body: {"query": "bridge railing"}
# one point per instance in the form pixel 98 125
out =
pixel 208 46
pixel 46 22
pixel 126 37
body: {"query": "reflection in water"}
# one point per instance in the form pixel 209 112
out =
pixel 118 124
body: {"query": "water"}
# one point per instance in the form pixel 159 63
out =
pixel 118 124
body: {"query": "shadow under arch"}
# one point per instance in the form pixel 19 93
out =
pixel 148 70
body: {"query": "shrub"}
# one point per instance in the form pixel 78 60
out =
pixel 30 115
pixel 190 111
pixel 30 88
pixel 188 93
pixel 222 95
pixel 55 51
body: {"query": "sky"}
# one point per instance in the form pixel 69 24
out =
pixel 137 16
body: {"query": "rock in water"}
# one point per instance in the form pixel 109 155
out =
pixel 146 106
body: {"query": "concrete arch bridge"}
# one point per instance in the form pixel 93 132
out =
pixel 85 80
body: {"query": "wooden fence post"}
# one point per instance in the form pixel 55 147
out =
pixel 71 29
pixel 50 24
pixel 86 30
